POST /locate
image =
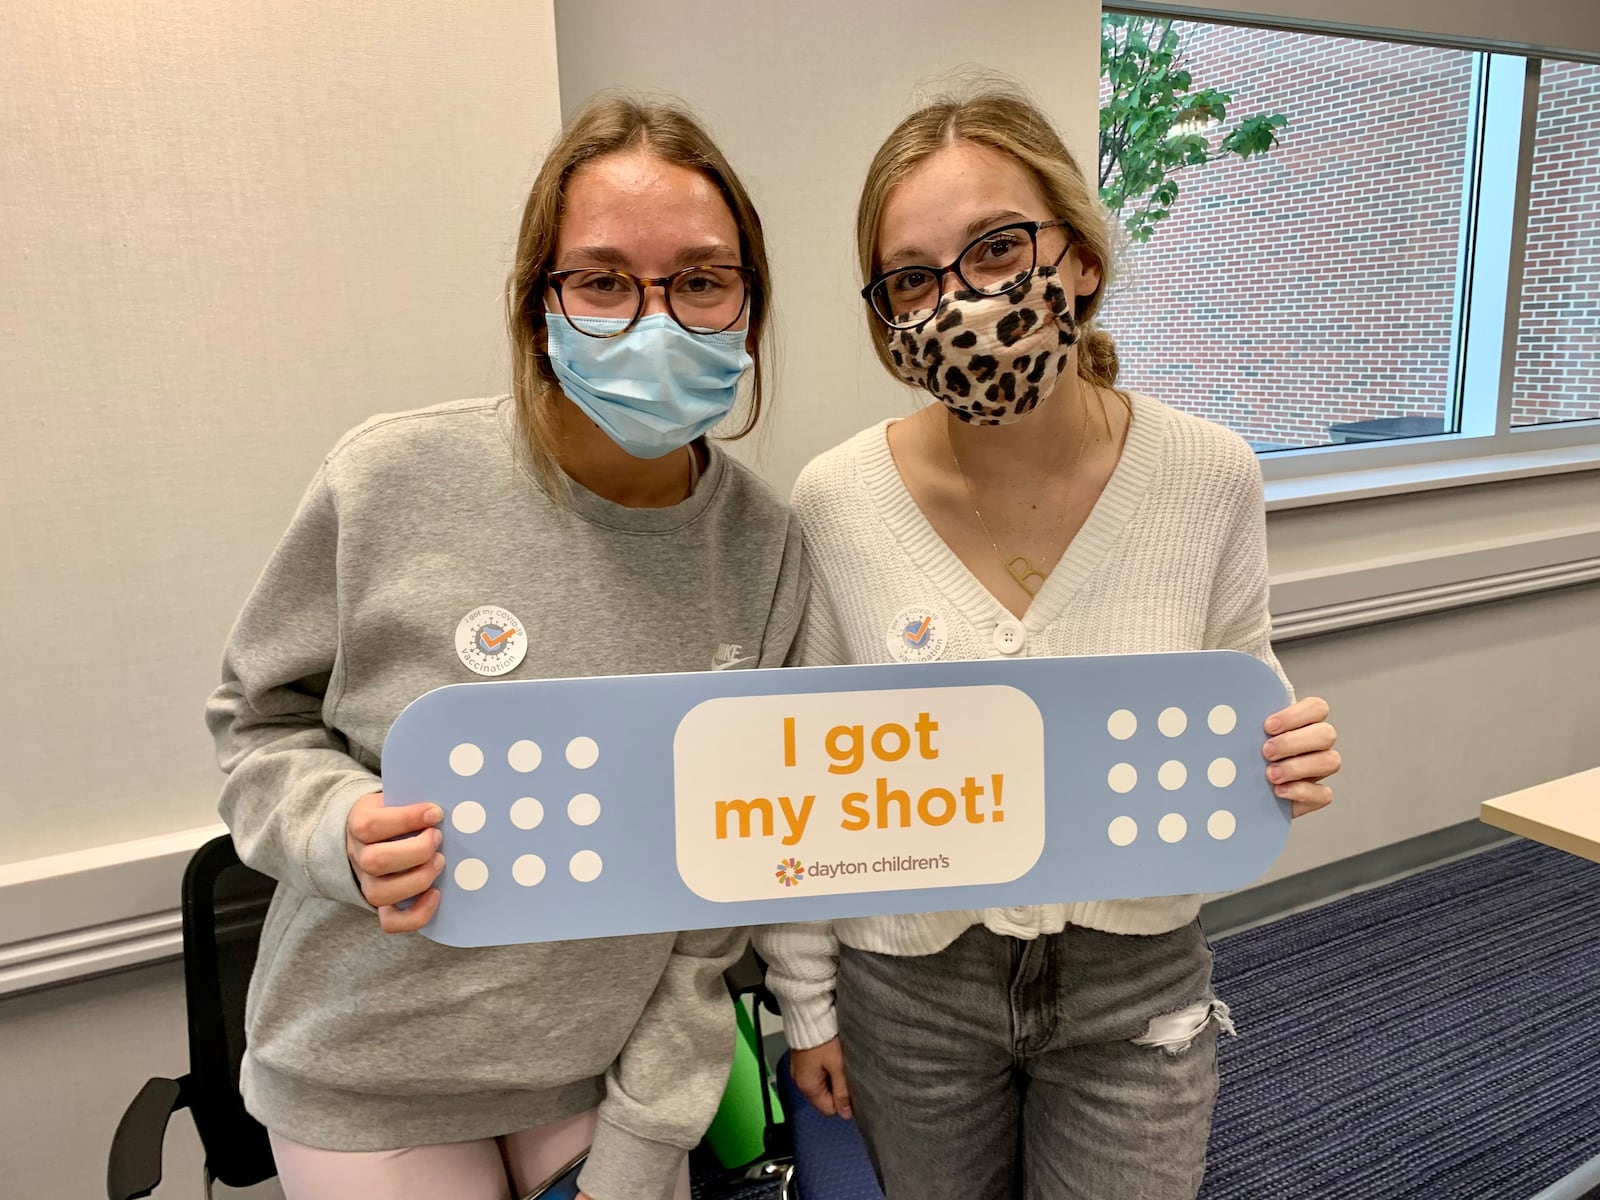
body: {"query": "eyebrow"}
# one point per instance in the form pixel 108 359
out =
pixel 713 253
pixel 974 227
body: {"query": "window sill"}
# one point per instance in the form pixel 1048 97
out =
pixel 1372 482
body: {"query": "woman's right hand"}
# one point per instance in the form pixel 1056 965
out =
pixel 819 1073
pixel 395 855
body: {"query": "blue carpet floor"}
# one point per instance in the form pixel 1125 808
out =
pixel 1437 1038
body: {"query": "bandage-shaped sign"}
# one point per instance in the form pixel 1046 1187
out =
pixel 636 804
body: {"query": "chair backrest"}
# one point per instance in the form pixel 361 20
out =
pixel 830 1159
pixel 224 905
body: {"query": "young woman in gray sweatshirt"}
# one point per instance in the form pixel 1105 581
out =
pixel 582 525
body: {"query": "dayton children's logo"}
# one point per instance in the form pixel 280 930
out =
pixel 790 872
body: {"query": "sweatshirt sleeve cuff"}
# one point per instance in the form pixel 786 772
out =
pixel 327 867
pixel 624 1166
pixel 809 1023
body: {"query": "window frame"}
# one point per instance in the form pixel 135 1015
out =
pixel 1485 446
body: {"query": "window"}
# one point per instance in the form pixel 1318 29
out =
pixel 1558 334
pixel 1322 234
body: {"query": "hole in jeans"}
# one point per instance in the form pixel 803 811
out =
pixel 1175 1032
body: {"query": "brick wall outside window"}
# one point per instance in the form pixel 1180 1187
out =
pixel 1558 339
pixel 1315 286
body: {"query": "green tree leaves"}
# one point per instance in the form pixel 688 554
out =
pixel 1154 123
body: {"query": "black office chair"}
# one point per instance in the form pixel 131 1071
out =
pixel 224 904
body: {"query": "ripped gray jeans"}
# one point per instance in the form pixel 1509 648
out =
pixel 1079 1066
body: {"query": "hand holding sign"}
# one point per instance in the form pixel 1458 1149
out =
pixel 596 807
pixel 393 854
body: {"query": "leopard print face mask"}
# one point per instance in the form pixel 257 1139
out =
pixel 991 359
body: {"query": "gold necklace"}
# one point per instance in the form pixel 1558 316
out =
pixel 1019 566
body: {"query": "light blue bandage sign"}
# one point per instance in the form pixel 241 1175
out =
pixel 583 808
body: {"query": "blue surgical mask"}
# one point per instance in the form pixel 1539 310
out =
pixel 653 389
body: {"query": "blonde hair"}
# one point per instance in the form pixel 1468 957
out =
pixel 1004 121
pixel 606 125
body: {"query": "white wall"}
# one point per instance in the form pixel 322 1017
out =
pixel 799 97
pixel 72 1059
pixel 231 232
pixel 1439 713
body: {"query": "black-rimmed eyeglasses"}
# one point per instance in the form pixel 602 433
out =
pixel 992 264
pixel 605 303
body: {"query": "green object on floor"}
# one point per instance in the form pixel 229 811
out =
pixel 738 1134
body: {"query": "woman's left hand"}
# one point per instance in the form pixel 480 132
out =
pixel 1300 754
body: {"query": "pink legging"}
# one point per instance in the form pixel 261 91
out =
pixel 492 1169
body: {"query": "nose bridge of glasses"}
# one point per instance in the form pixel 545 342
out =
pixel 653 295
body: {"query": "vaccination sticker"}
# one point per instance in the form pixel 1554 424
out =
pixel 491 641
pixel 583 808
pixel 916 635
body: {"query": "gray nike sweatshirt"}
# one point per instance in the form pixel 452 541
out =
pixel 362 1040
